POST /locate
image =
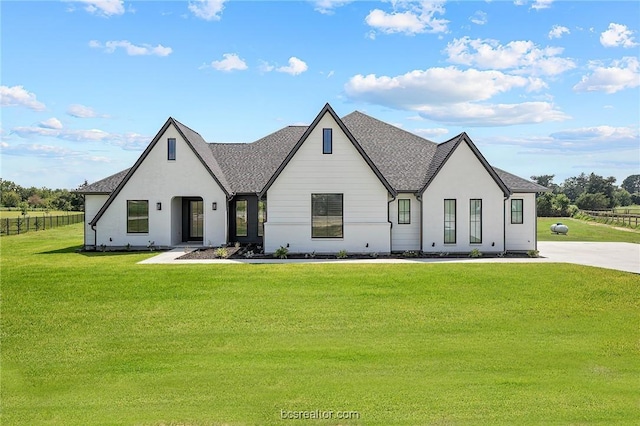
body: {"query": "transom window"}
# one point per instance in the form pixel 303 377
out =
pixel 475 221
pixel 449 221
pixel 171 149
pixel 404 211
pixel 516 211
pixel 327 141
pixel 137 216
pixel 326 216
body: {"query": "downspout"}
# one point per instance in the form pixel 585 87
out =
pixel 504 224
pixel 393 198
pixel 535 221
pixel 95 237
pixel 419 199
pixel 227 219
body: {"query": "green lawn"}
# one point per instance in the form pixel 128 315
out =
pixel 98 339
pixel 580 230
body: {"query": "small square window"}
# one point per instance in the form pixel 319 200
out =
pixel 171 149
pixel 327 141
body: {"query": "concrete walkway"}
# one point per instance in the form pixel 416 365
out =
pixel 619 256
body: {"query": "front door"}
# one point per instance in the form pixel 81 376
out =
pixel 196 220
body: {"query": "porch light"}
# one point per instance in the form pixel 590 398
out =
pixel 214 206
pixel 158 206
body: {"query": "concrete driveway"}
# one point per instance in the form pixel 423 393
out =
pixel 620 256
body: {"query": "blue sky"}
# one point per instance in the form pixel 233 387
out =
pixel 542 87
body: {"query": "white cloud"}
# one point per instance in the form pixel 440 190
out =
pixel 209 10
pixel 104 8
pixel 487 115
pixel 127 141
pixel 541 4
pixel 479 18
pixel 132 49
pixel 230 62
pixel 520 56
pixel 18 96
pixel 434 85
pixel 295 67
pixel 51 123
pixel 409 18
pixel 431 133
pixel 49 151
pixel 622 74
pixel 326 7
pixel 557 31
pixel 82 111
pixel 618 35
pixel 265 66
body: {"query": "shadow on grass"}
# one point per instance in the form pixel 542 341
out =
pixel 78 250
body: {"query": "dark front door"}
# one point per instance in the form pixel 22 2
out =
pixel 192 219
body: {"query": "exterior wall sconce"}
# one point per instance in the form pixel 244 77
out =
pixel 158 206
pixel 214 206
pixel 433 244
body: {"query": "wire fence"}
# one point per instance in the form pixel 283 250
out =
pixel 20 225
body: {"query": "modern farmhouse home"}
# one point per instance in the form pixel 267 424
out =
pixel 353 183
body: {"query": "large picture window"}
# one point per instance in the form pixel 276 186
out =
pixel 326 216
pixel 475 221
pixel 137 216
pixel 449 221
pixel 516 211
pixel 404 212
pixel 171 149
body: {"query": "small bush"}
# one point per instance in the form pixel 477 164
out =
pixel 533 253
pixel 409 253
pixel 342 254
pixel 221 253
pixel 475 253
pixel 281 253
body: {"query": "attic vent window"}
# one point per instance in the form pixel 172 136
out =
pixel 327 141
pixel 171 149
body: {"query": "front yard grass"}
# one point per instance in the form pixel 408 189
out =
pixel 581 230
pixel 97 339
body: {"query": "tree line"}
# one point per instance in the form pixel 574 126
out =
pixel 16 196
pixel 585 192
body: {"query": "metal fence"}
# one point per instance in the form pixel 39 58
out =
pixel 611 217
pixel 20 225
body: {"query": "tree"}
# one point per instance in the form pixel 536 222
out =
pixel 573 187
pixel 588 201
pixel 546 181
pixel 622 197
pixel 631 184
pixel 35 201
pixel 10 199
pixel 560 204
pixel 600 185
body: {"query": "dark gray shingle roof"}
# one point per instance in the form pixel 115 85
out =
pixel 407 161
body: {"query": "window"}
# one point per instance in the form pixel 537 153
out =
pixel 137 216
pixel 404 212
pixel 171 149
pixel 326 216
pixel 241 218
pixel 449 221
pixel 475 221
pixel 516 211
pixel 327 141
pixel 262 217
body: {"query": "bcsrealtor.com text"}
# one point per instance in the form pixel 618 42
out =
pixel 319 415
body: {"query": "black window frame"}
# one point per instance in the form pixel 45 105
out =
pixel 449 222
pixel 476 224
pixel 323 200
pixel 405 219
pixel 242 217
pixel 171 149
pixel 136 218
pixel 521 211
pixel 262 217
pixel 327 141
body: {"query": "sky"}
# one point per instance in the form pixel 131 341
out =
pixel 541 87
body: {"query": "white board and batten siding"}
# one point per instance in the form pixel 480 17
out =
pixel 405 236
pixel 344 171
pixel 463 178
pixel 164 181
pixel 522 236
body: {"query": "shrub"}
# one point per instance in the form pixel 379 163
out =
pixel 475 253
pixel 342 254
pixel 533 253
pixel 281 253
pixel 221 253
pixel 409 253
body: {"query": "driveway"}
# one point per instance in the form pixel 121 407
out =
pixel 620 256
